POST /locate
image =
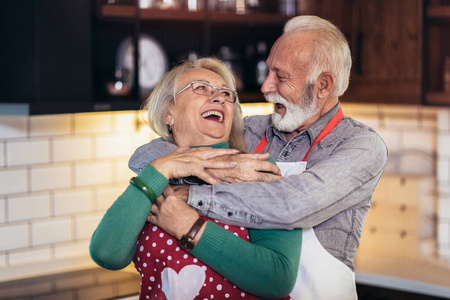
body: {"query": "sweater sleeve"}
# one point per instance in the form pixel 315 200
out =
pixel 114 241
pixel 267 267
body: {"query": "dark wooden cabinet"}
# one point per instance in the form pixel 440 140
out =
pixel 58 56
pixel 180 32
pixel 46 54
pixel 388 51
pixel 385 38
pixel 437 51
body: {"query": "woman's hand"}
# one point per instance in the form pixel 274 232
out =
pixel 173 215
pixel 249 168
pixel 186 162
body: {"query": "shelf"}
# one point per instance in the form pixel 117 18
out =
pixel 64 107
pixel 257 18
pixel 438 98
pixel 129 11
pixel 439 12
pixel 171 15
pixel 114 11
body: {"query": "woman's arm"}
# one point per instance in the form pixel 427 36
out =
pixel 114 241
pixel 267 267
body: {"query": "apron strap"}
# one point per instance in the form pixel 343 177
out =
pixel 262 144
pixel 327 129
pixel 330 126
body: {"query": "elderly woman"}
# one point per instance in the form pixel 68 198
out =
pixel 195 105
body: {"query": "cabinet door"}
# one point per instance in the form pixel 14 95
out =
pixel 387 51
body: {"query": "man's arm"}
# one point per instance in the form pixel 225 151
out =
pixel 149 152
pixel 341 180
pixel 250 167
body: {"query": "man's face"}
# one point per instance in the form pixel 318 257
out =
pixel 286 84
pixel 295 114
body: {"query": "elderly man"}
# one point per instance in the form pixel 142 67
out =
pixel 309 68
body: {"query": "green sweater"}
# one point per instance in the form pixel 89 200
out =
pixel 267 267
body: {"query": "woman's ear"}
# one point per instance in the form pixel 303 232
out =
pixel 168 117
pixel 325 85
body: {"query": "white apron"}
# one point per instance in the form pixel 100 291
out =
pixel 321 276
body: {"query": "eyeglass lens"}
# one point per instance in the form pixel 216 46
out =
pixel 202 88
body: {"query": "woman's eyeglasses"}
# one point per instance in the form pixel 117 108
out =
pixel 203 88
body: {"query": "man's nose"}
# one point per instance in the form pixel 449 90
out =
pixel 269 85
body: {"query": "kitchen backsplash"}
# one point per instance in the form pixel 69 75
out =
pixel 59 173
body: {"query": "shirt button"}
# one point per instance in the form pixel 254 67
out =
pixel 230 213
pixel 200 203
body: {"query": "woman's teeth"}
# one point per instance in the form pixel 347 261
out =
pixel 213 113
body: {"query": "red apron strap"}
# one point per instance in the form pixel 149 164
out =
pixel 330 126
pixel 262 144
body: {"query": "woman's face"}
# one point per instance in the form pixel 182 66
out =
pixel 200 119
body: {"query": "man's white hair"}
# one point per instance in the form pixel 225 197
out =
pixel 330 52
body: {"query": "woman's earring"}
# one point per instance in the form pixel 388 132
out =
pixel 170 129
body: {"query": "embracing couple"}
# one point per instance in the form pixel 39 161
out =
pixel 264 207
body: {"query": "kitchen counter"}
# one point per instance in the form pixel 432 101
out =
pixel 89 284
pixel 427 276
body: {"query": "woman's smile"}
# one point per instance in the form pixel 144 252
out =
pixel 213 115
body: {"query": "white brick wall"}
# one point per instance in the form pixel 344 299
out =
pixel 13 127
pixel 2 210
pixel 59 173
pixel 73 201
pixel 72 148
pixel 54 230
pixel 27 207
pixel 2 154
pixel 39 254
pixel 13 180
pixel 86 224
pixel 443 174
pixel 93 173
pixel 54 125
pixel 48 177
pixel 14 236
pixel 18 152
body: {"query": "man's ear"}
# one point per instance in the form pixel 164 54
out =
pixel 325 84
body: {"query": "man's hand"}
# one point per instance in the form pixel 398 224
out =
pixel 249 168
pixel 172 215
pixel 181 192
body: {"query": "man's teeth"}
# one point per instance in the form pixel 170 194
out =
pixel 211 113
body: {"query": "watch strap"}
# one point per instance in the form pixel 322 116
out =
pixel 187 241
pixel 195 228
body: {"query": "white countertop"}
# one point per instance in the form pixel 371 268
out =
pixel 425 276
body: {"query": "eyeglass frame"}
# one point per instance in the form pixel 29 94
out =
pixel 214 90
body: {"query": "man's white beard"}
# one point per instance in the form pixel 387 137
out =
pixel 296 114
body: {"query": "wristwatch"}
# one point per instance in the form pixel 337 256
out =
pixel 187 241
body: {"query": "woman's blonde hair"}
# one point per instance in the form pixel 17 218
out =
pixel 163 94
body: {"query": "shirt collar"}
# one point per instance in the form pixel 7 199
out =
pixel 313 130
pixel 224 145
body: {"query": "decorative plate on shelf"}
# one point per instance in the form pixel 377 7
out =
pixel 153 62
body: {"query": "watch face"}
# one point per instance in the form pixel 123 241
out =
pixel 186 243
pixel 152 62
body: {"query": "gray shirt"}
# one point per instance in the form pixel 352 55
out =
pixel 333 195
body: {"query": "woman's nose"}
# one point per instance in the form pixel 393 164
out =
pixel 219 97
